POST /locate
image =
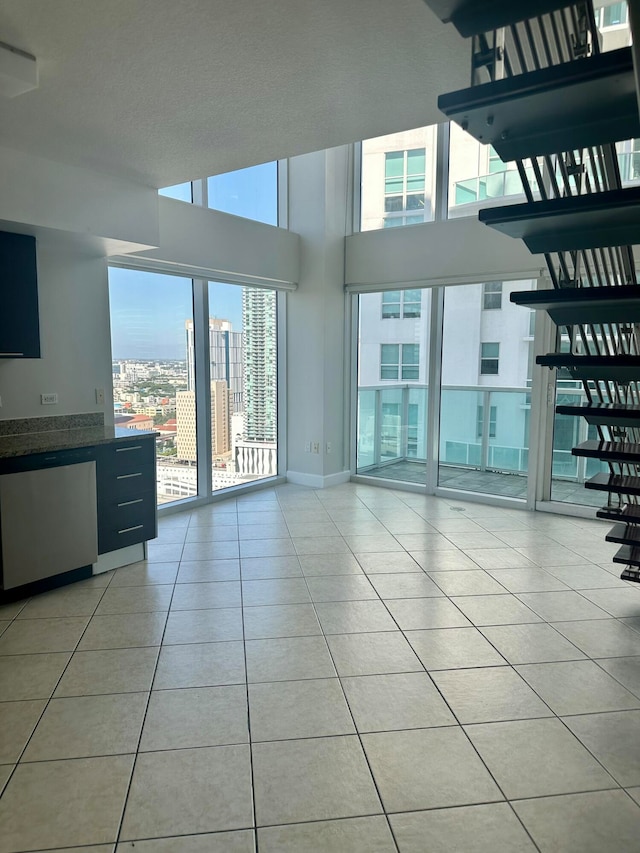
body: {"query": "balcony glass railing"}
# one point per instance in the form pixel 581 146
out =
pixel 496 185
pixel 508 183
pixel 481 429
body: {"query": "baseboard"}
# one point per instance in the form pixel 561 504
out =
pixel 317 481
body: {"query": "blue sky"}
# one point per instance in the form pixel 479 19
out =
pixel 148 311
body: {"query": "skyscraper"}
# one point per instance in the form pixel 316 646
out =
pixel 260 364
pixel 186 440
pixel 225 348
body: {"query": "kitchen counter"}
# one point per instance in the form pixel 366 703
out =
pixel 24 444
pixel 75 496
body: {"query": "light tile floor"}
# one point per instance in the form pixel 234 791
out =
pixel 355 670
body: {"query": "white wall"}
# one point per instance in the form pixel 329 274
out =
pixel 75 341
pixel 315 317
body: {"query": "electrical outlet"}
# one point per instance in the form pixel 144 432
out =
pixel 307 447
pixel 48 399
pixel 316 447
pixel 329 448
pixel 100 396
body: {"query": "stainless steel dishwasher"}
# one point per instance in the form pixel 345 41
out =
pixel 48 516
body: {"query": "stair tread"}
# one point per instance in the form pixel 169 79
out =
pixel 625 534
pixel 617 483
pixel 620 450
pixel 623 368
pixel 567 296
pixel 613 414
pixel 596 220
pixel 574 305
pixel 559 108
pixel 627 556
pixel 471 18
pixel 626 514
pixel 630 574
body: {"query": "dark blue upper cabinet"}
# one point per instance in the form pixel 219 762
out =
pixel 19 322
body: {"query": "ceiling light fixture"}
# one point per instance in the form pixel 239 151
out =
pixel 18 71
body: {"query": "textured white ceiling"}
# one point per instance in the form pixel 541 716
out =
pixel 161 91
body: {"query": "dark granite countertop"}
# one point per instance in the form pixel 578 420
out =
pixel 24 444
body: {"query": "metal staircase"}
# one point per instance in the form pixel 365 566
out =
pixel 544 95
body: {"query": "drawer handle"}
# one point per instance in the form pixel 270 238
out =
pixel 127 476
pixel 124 449
pixel 130 529
pixel 128 503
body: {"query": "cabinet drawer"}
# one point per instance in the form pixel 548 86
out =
pixel 118 512
pixel 120 457
pixel 126 457
pixel 110 539
pixel 117 487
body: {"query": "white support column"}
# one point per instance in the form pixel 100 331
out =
pixel 320 212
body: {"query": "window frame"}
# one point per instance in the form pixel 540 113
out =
pixel 404 312
pixel 491 289
pixel 404 210
pixel 412 365
pixel 389 364
pixel 487 360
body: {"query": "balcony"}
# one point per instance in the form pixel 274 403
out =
pixel 490 187
pixel 507 183
pixel 484 440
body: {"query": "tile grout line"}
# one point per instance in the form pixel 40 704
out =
pixel 52 694
pixel 357 732
pixel 246 685
pixel 144 717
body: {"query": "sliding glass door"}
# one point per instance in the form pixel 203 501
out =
pixel 487 358
pixel 393 369
pixel 482 397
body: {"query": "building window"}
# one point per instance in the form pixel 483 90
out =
pixel 390 364
pixel 391 304
pixel 493 418
pixel 614 15
pixel 389 361
pixel 404 182
pixel 492 295
pixel 410 361
pixel 489 359
pixel 411 303
pixel 405 303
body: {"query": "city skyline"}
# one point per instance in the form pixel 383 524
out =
pixel 149 310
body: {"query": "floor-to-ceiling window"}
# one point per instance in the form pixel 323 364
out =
pixel 243 350
pixel 153 371
pixel 206 379
pixel 487 358
pixel 393 367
